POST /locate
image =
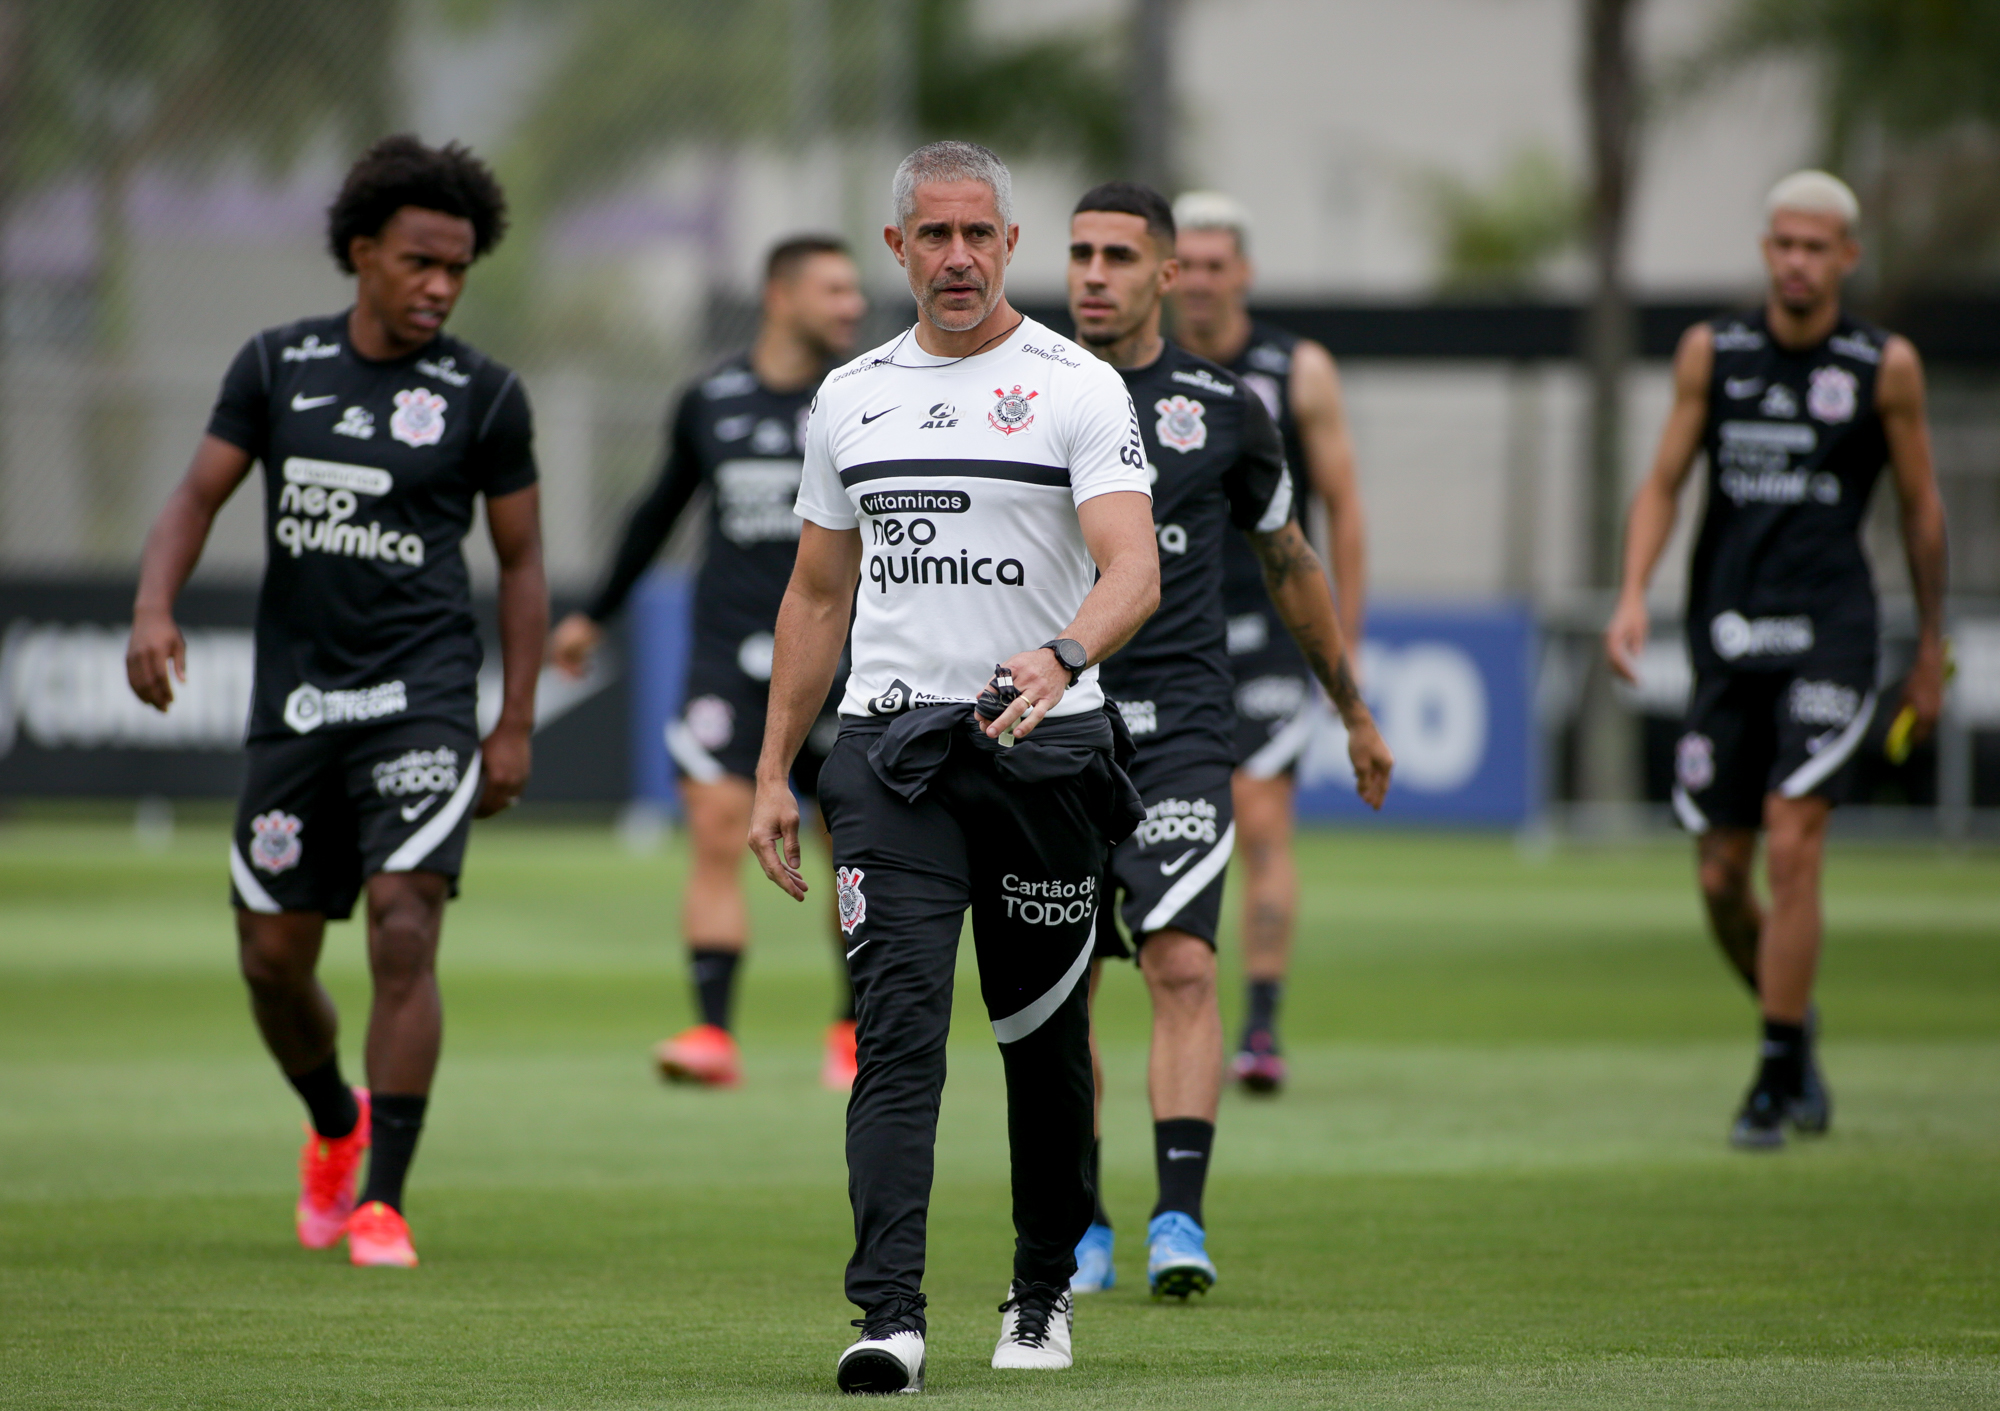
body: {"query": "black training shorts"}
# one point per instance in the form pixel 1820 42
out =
pixel 1170 871
pixel 323 811
pixel 1753 733
pixel 1277 700
pixel 720 729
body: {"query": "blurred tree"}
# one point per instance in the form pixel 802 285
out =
pixel 1910 114
pixel 1609 744
pixel 1500 238
pixel 639 75
pixel 101 88
pixel 637 78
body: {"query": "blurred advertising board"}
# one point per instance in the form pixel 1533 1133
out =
pixel 69 724
pixel 1451 687
pixel 1452 690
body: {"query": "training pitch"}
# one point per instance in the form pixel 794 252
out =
pixel 1499 1178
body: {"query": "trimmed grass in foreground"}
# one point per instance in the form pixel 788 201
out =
pixel 1498 1179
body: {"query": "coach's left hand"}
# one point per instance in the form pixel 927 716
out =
pixel 504 758
pixel 1041 679
pixel 1923 690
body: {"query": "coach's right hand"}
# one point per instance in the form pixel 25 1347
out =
pixel 774 836
pixel 154 658
pixel 1625 638
pixel 572 645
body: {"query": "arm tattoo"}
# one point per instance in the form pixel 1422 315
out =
pixel 1285 555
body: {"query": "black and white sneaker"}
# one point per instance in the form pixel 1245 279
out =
pixel 1760 1126
pixel 1035 1328
pixel 1811 1112
pixel 888 1357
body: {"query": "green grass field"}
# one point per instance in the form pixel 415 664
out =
pixel 1498 1180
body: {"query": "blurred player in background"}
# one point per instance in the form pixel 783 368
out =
pixel 1795 407
pixel 738 434
pixel 1216 465
pixel 1275 698
pixel 376 431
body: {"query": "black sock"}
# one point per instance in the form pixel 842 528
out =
pixel 1784 1068
pixel 397 1120
pixel 1264 995
pixel 714 983
pixel 1098 1216
pixel 1180 1154
pixel 328 1098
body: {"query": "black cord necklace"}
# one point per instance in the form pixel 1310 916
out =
pixel 889 359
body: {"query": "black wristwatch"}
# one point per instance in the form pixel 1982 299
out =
pixel 1071 654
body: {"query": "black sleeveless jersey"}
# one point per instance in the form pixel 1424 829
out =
pixel 1217 467
pixel 370 469
pixel 1265 367
pixel 1794 446
pixel 743 442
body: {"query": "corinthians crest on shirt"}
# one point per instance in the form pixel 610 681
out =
pixel 419 418
pixel 1012 412
pixel 1181 423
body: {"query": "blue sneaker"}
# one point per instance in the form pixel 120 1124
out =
pixel 1177 1262
pixel 1094 1273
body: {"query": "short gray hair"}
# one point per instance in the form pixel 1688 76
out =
pixel 952 161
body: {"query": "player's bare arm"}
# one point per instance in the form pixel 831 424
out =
pixel 1900 398
pixel 812 627
pixel 506 753
pixel 1298 587
pixel 1118 530
pixel 1650 523
pixel 1321 415
pixel 156 656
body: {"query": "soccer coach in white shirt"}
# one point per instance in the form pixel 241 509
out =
pixel 980 481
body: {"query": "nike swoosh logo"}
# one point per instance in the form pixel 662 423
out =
pixel 1168 869
pixel 411 811
pixel 1174 1153
pixel 303 403
pixel 865 418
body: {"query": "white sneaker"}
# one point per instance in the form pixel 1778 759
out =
pixel 891 1362
pixel 1035 1328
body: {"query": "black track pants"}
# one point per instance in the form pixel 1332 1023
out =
pixel 1027 858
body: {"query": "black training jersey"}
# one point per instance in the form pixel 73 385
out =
pixel 1265 367
pixel 1794 447
pixel 744 442
pixel 370 469
pixel 1217 467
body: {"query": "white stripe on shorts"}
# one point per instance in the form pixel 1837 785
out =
pixel 247 886
pixel 1282 750
pixel 1813 772
pixel 1192 881
pixel 695 762
pixel 422 843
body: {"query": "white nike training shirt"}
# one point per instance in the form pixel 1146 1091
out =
pixel 963 476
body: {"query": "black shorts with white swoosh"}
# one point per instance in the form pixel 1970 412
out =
pixel 324 811
pixel 1169 873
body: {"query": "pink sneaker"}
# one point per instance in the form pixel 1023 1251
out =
pixel 378 1235
pixel 1257 1065
pixel 329 1169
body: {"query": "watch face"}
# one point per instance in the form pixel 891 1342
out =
pixel 1071 654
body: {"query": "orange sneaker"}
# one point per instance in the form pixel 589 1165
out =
pixel 704 1054
pixel 328 1171
pixel 837 1073
pixel 378 1235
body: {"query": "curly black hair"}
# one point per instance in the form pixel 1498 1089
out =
pixel 401 171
